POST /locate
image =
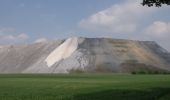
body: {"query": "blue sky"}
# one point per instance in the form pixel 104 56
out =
pixel 25 21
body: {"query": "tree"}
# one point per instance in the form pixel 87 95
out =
pixel 157 3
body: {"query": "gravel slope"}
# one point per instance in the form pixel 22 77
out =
pixel 84 55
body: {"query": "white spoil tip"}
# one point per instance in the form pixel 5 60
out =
pixel 63 51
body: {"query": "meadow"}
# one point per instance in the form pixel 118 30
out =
pixel 84 87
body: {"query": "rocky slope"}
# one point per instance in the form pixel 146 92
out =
pixel 84 55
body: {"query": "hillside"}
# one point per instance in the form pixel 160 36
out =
pixel 84 55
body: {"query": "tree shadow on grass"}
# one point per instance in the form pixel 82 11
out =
pixel 152 94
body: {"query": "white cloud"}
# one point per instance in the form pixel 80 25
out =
pixel 22 5
pixel 7 30
pixel 41 40
pixel 120 18
pixel 23 36
pixel 158 29
pixel 9 36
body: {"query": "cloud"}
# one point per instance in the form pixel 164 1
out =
pixel 7 30
pixel 158 29
pixel 14 38
pixel 41 40
pixel 23 36
pixel 9 36
pixel 119 18
pixel 22 5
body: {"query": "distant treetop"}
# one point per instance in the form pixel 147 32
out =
pixel 157 3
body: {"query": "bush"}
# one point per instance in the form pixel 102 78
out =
pixel 76 71
pixel 149 72
pixel 133 72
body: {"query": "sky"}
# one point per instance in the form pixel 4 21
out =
pixel 29 21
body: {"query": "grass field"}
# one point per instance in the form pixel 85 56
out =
pixel 84 87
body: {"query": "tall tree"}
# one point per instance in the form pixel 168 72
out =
pixel 157 3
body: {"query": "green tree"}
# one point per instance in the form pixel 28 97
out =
pixel 157 3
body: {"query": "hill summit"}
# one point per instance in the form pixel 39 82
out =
pixel 79 54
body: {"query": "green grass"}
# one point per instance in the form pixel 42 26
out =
pixel 84 87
